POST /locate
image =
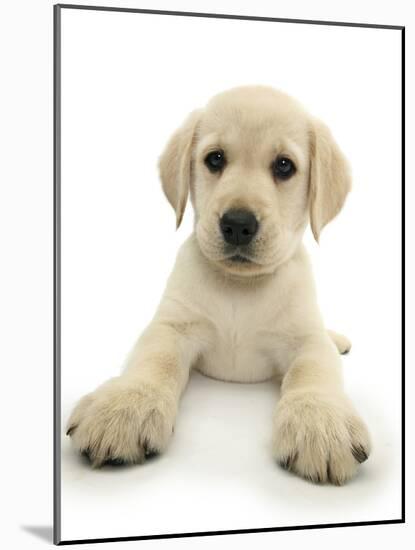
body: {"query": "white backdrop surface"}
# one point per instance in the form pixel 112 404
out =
pixel 128 80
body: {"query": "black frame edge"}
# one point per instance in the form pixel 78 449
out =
pixel 403 357
pixel 233 532
pixel 56 273
pixel 230 16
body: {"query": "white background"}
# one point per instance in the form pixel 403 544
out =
pixel 127 81
pixel 27 275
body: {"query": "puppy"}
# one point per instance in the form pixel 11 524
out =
pixel 240 304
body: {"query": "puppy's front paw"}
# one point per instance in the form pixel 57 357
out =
pixel 120 423
pixel 319 436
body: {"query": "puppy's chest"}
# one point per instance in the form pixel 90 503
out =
pixel 242 338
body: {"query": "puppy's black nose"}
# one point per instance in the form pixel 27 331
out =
pixel 238 226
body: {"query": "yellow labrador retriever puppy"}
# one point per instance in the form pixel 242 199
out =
pixel 240 304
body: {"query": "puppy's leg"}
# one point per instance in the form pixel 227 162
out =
pixel 317 432
pixel 132 415
pixel 342 343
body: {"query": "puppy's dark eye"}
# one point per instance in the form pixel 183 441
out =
pixel 283 168
pixel 215 161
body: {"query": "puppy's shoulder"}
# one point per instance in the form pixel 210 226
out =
pixel 189 279
pixel 189 266
pixel 296 269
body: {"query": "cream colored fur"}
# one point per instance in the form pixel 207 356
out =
pixel 243 322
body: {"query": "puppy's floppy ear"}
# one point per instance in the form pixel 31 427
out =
pixel 330 179
pixel 175 164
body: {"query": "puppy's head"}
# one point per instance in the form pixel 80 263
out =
pixel 257 168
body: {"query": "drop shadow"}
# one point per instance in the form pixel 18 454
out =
pixel 44 532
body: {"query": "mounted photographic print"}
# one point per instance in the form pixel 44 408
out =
pixel 228 274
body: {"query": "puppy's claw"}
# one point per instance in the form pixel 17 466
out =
pixel 359 453
pixel 287 462
pixel 328 472
pixel 151 453
pixel 115 462
pixel 86 453
pixel 71 429
pixel 96 463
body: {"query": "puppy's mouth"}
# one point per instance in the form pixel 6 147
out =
pixel 239 259
pixel 237 255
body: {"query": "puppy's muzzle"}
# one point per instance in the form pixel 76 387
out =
pixel 238 227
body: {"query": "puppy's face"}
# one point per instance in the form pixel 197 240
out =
pixel 249 160
pixel 250 182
